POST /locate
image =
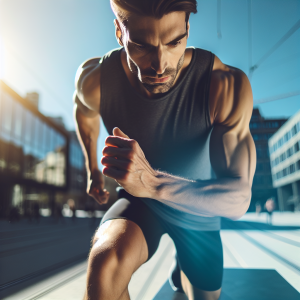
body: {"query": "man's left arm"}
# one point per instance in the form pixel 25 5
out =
pixel 232 154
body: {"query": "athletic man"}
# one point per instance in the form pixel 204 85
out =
pixel 172 113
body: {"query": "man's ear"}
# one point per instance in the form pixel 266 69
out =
pixel 188 28
pixel 118 32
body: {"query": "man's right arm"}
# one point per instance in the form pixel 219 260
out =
pixel 87 119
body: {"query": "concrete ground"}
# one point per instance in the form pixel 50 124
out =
pixel 249 243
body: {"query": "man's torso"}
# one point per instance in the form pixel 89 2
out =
pixel 173 130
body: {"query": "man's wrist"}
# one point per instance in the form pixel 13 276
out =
pixel 159 181
pixel 91 172
pixel 165 185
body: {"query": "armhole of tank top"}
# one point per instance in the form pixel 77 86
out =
pixel 207 115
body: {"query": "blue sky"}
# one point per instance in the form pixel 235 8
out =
pixel 42 43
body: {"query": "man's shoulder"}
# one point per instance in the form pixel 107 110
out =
pixel 88 73
pixel 224 74
pixel 87 83
pixel 230 93
pixel 87 79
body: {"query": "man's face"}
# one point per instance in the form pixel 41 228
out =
pixel 155 49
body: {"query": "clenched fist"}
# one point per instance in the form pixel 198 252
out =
pixel 124 161
pixel 95 187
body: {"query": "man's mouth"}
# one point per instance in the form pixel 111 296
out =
pixel 158 80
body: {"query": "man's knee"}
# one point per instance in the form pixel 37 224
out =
pixel 118 244
pixel 113 258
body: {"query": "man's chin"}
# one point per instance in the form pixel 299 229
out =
pixel 157 88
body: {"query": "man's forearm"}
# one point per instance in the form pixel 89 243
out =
pixel 87 130
pixel 226 197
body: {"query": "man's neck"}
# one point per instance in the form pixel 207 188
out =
pixel 139 87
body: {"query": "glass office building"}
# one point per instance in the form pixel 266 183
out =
pixel 77 173
pixel 262 129
pixel 33 153
pixel 285 161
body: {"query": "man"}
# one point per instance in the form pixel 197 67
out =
pixel 172 112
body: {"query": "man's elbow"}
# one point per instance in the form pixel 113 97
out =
pixel 244 203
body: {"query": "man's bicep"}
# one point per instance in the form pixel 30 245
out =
pixel 231 155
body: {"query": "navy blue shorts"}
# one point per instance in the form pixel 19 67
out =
pixel 200 253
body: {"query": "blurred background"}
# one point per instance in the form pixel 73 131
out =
pixel 43 203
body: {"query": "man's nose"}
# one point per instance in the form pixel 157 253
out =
pixel 159 62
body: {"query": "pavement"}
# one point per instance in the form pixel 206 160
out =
pixel 261 262
pixel 31 251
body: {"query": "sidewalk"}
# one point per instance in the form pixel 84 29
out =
pixel 267 257
pixel 30 250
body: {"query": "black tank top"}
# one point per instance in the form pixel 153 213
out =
pixel 173 130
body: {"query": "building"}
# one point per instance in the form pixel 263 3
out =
pixel 262 129
pixel 36 156
pixel 284 148
pixel 77 178
pixel 34 98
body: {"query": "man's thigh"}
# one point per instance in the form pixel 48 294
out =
pixel 136 211
pixel 200 257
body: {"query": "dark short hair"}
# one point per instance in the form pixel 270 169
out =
pixel 153 8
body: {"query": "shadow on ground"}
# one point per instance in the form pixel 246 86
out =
pixel 244 284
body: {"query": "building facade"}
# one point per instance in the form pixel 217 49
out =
pixel 262 129
pixel 35 156
pixel 77 177
pixel 285 162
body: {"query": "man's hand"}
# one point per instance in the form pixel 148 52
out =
pixel 95 187
pixel 124 161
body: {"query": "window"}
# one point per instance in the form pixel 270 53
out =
pixel 28 127
pixel 49 139
pixel 44 138
pixel 276 161
pixel 282 157
pixel 294 130
pixel 284 172
pixel 38 137
pixel 19 112
pixel 296 147
pixel 289 152
pixel 292 168
pixel 55 141
pixel 6 116
pixel 298 165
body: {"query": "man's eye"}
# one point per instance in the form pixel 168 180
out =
pixel 140 47
pixel 175 44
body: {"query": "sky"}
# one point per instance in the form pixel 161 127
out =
pixel 42 43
